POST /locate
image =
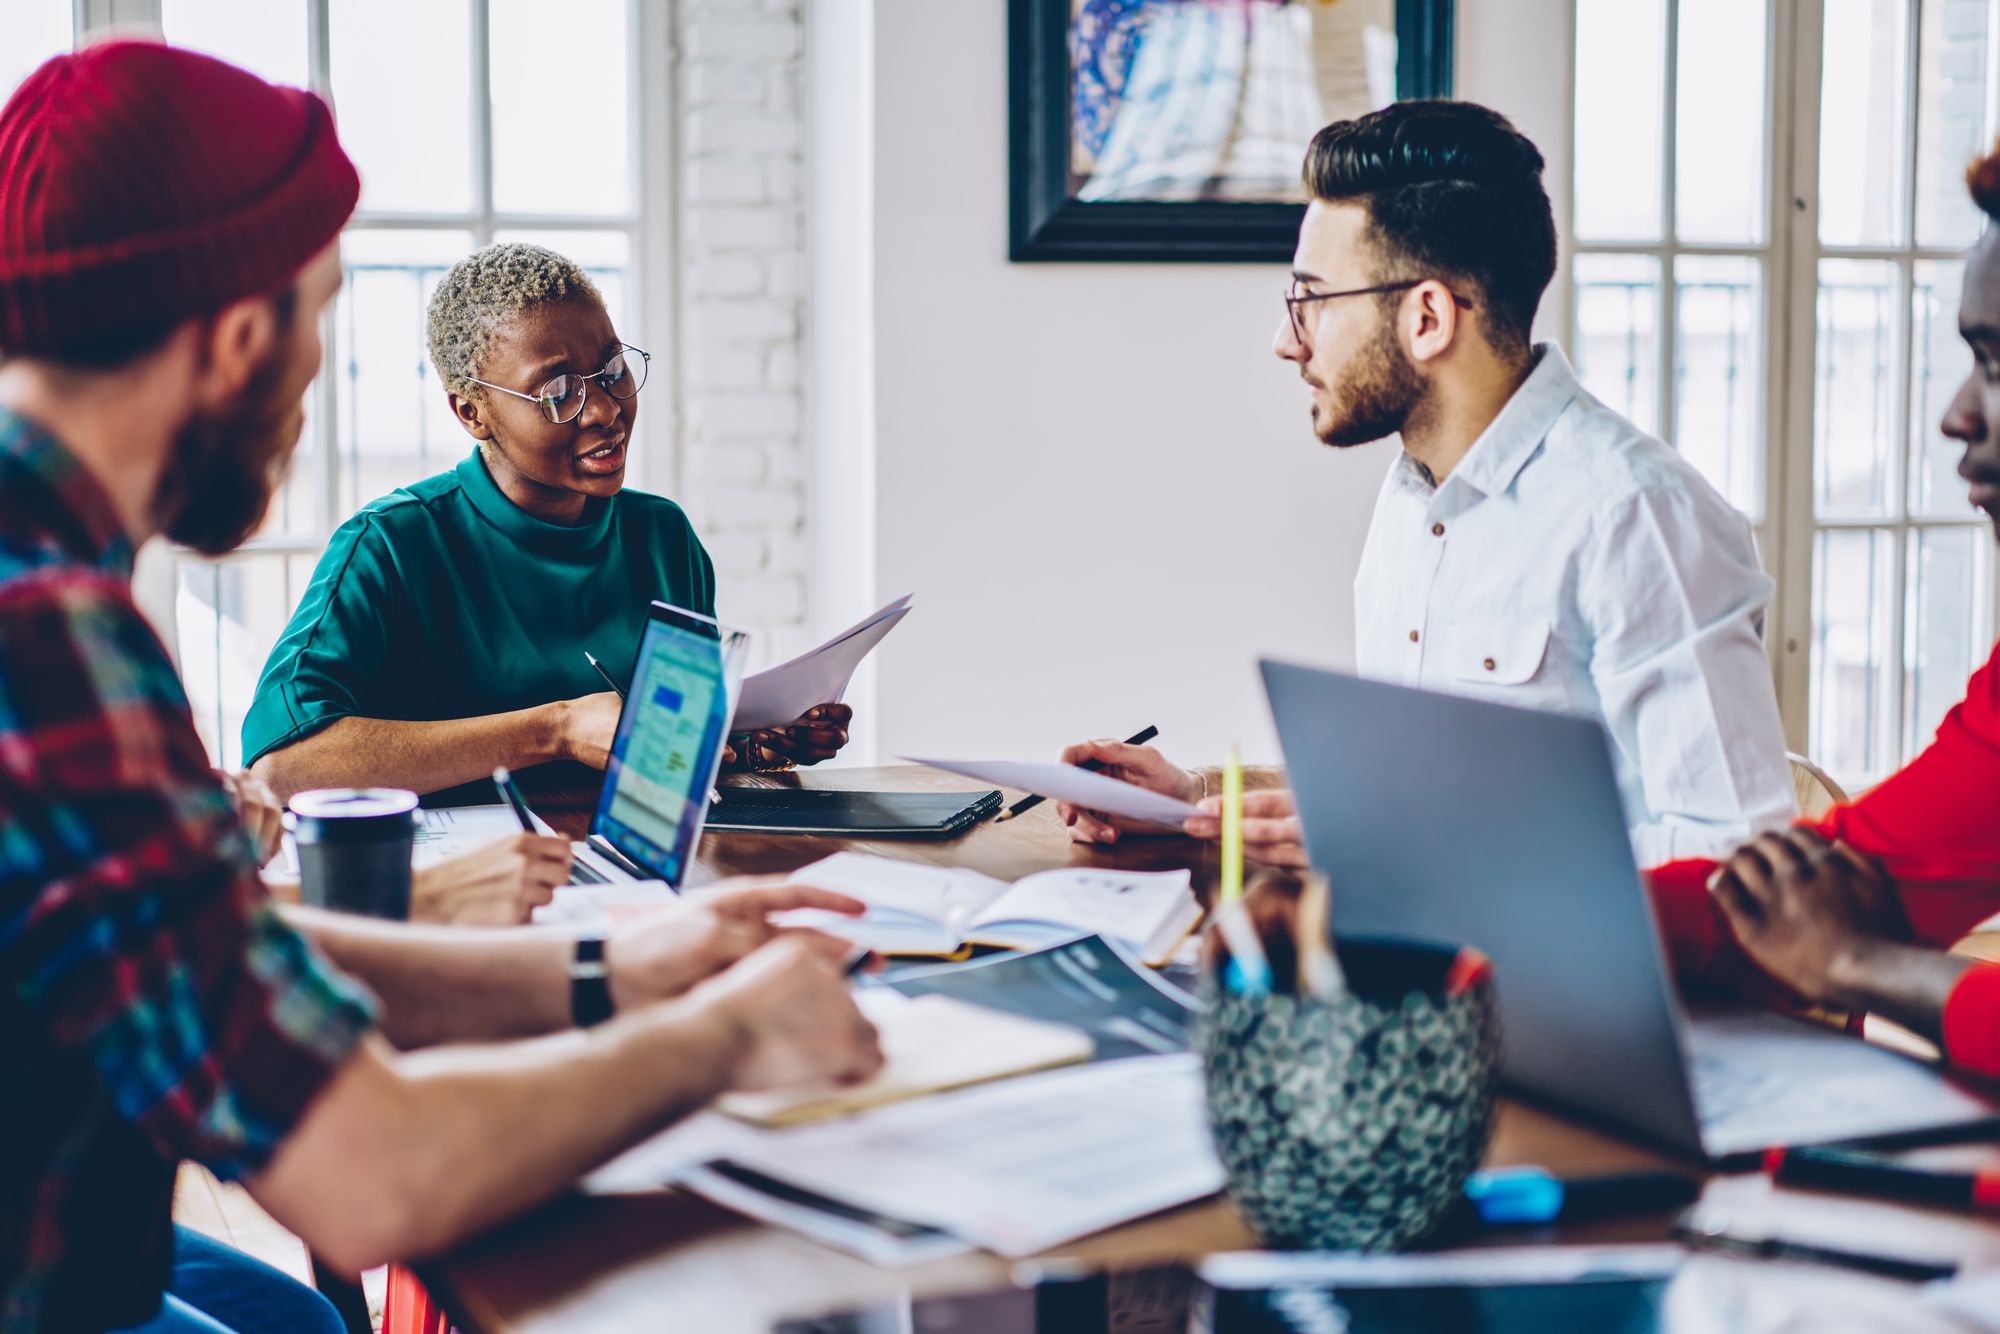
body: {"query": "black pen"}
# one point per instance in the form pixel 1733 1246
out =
pixel 1854 1172
pixel 606 675
pixel 1777 1248
pixel 1029 803
pixel 862 958
pixel 505 782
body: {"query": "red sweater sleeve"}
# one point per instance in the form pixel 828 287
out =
pixel 1935 828
pixel 1972 1021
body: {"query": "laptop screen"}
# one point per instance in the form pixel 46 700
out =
pixel 669 741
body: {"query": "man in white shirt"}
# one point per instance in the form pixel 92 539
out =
pixel 1530 545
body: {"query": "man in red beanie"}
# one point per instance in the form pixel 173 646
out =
pixel 168 226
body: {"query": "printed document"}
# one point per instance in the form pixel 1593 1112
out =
pixel 1089 984
pixel 1021 1165
pixel 777 696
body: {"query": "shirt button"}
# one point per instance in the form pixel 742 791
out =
pixel 1437 530
pixel 1489 664
pixel 1413 636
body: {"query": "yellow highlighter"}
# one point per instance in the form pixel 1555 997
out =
pixel 1232 828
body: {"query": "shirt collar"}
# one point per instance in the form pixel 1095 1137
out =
pixel 54 497
pixel 1511 439
pixel 538 535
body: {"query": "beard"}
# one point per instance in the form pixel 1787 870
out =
pixel 225 466
pixel 1375 397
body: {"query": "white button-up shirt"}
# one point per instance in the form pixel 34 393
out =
pixel 1571 562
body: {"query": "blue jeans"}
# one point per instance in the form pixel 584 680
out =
pixel 217 1289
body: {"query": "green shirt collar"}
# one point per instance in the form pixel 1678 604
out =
pixel 532 533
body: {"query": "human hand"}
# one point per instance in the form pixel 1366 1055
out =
pixel 586 725
pixel 707 930
pixel 1271 832
pixel 1807 911
pixel 1141 766
pixel 262 814
pixel 497 885
pixel 794 1016
pixel 817 735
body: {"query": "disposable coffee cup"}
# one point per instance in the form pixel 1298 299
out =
pixel 354 848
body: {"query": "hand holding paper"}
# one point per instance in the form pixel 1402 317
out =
pixel 781 695
pixel 1078 787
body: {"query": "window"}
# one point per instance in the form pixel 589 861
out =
pixel 1796 337
pixel 36 30
pixel 453 154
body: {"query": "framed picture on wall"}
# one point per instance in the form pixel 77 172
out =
pixel 1174 129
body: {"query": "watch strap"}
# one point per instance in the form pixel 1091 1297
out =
pixel 589 984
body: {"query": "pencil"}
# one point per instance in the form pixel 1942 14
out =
pixel 1232 829
pixel 1029 803
pixel 599 667
pixel 505 782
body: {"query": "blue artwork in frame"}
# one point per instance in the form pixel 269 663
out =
pixel 1173 129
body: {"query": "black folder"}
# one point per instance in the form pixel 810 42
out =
pixel 782 810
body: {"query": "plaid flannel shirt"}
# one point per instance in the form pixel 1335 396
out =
pixel 155 1007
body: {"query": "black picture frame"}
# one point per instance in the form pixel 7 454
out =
pixel 1047 224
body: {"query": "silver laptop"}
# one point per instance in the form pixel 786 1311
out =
pixel 1467 822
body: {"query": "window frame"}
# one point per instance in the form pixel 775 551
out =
pixel 1789 526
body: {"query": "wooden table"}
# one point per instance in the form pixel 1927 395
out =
pixel 664 1260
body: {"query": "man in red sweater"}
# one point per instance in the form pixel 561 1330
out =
pixel 1857 910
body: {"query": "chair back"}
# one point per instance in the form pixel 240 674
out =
pixel 1816 791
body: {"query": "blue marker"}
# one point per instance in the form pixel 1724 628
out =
pixel 1515 1196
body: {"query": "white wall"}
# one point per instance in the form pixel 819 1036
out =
pixel 1098 480
pixel 737 130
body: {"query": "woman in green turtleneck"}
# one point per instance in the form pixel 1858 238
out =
pixel 444 631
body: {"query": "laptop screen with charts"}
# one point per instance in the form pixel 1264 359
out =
pixel 668 747
pixel 1461 821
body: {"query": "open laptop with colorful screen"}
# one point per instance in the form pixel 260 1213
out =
pixel 668 746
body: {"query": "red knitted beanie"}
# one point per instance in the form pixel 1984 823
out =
pixel 141 185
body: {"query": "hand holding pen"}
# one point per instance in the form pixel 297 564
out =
pixel 1089 762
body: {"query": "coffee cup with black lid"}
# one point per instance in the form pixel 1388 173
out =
pixel 354 848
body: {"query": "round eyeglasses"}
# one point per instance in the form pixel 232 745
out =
pixel 561 397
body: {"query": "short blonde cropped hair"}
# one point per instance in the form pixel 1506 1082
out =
pixel 485 290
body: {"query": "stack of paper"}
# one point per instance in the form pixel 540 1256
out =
pixel 1018 1166
pixel 777 696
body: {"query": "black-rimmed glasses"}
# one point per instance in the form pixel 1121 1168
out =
pixel 1296 296
pixel 561 398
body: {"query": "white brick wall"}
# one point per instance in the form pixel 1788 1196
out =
pixel 741 264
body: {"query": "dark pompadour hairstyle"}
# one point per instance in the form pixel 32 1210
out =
pixel 1453 191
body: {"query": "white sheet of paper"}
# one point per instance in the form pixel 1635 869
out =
pixel 1078 787
pixel 602 907
pixel 658 1161
pixel 874 1244
pixel 777 695
pixel 1021 1165
pixel 453 831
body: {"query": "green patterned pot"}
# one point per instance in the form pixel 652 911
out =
pixel 1352 1124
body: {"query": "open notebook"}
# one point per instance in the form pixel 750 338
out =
pixel 929 1044
pixel 940 910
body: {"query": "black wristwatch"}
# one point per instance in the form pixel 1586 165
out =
pixel 589 984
